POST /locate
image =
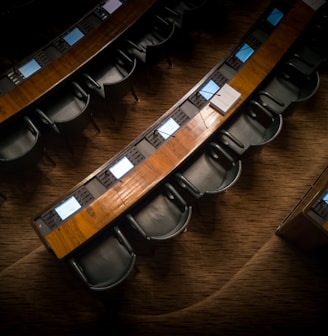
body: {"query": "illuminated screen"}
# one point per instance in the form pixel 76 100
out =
pixel 275 16
pixel 121 167
pixel 209 89
pixel 244 53
pixel 68 207
pixel 325 197
pixel 168 128
pixel 111 6
pixel 73 36
pixel 29 68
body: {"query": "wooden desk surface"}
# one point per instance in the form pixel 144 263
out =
pixel 72 60
pixel 147 175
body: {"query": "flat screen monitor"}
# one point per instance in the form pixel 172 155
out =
pixel 275 16
pixel 121 167
pixel 68 207
pixel 111 6
pixel 244 53
pixel 73 36
pixel 29 68
pixel 168 128
pixel 209 89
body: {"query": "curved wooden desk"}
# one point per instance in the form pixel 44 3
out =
pixel 145 176
pixel 43 81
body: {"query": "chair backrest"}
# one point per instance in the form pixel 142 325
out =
pixel 161 216
pixel 104 262
pixel 68 111
pixel 22 147
pixel 211 172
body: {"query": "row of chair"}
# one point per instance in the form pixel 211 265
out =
pixel 70 108
pixel 165 213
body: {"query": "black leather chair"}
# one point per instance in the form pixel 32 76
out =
pixel 67 111
pixel 255 126
pixel 112 77
pixel 186 14
pixel 21 147
pixel 105 262
pixel 295 80
pixel 213 171
pixel 162 215
pixel 281 91
pixel 151 42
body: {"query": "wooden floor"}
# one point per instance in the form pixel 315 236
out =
pixel 207 281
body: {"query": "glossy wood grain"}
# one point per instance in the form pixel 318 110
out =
pixel 71 61
pixel 142 179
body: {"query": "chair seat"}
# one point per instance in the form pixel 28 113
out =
pixel 105 262
pixel 112 76
pixel 65 109
pixel 22 147
pixel 17 144
pixel 162 215
pixel 212 172
pixel 252 128
pixel 68 111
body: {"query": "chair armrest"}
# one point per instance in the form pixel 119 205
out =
pixel 134 45
pixel 31 125
pixel 136 225
pixel 80 93
pixel 172 11
pixel 216 149
pixel 232 138
pixel 185 183
pixel 91 83
pixel 122 239
pixel 122 54
pixel 270 96
pixel 173 195
pixel 46 120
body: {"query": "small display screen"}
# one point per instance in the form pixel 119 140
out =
pixel 73 36
pixel 168 128
pixel 68 207
pixel 209 89
pixel 275 16
pixel 325 197
pixel 244 53
pixel 121 167
pixel 29 68
pixel 111 6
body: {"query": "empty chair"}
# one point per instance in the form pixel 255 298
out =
pixel 112 76
pixel 105 261
pixel 255 126
pixel 211 172
pixel 283 90
pixel 163 215
pixel 316 34
pixel 21 147
pixel 301 64
pixel 186 14
pixel 67 111
pixel 152 41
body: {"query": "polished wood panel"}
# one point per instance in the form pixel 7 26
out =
pixel 142 179
pixel 72 60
